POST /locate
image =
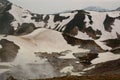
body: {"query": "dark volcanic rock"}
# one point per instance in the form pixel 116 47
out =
pixel 112 42
pixel 59 18
pixel 116 50
pixel 108 22
pixel 78 23
pixel 37 18
pixel 25 28
pixel 110 67
pixel 5 18
pixel 86 44
pixel 9 51
pixel 86 58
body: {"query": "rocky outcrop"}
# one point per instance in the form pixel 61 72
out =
pixel 9 51
pixel 85 58
pixel 5 18
pixel 86 44
pixel 113 43
pixel 116 50
pixel 59 63
pixel 110 67
pixel 25 28
pixel 108 22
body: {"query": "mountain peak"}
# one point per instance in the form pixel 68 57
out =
pixel 118 9
pixel 96 8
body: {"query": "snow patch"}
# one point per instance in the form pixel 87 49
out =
pixel 89 68
pixel 104 57
pixel 102 45
pixel 68 70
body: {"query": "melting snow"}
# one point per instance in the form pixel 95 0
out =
pixel 104 57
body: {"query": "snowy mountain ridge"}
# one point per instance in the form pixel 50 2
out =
pixel 41 46
pixel 100 23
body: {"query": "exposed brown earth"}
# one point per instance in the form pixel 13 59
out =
pixel 105 77
pixel 110 67
pixel 9 50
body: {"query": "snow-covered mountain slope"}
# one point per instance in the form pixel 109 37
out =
pixel 84 25
pixel 26 59
pixel 79 23
pixel 52 53
pixel 40 41
pixel 90 24
pixel 60 44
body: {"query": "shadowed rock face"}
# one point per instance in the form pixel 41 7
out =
pixel 5 24
pixel 85 58
pixel 92 33
pixel 116 50
pixel 3 6
pixel 77 21
pixel 86 44
pixel 37 18
pixel 118 35
pixel 59 18
pixel 112 42
pixel 9 50
pixel 25 28
pixel 6 18
pixel 90 18
pixel 108 22
pixel 110 67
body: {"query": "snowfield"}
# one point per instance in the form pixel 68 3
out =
pixel 55 45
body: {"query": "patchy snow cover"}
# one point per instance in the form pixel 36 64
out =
pixel 104 57
pixel 70 54
pixel 89 68
pixel 97 18
pixel 68 70
pixel 17 12
pixel 83 36
pixel 102 45
pixel 46 40
pixel 41 40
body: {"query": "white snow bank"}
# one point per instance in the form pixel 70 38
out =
pixel 104 57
